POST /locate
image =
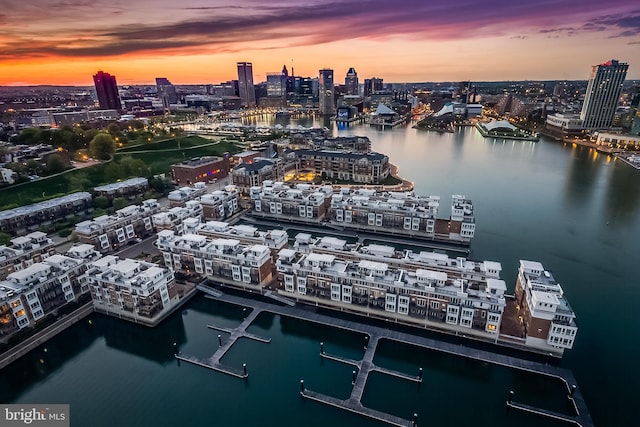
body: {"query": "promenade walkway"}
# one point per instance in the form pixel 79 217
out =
pixel 44 335
pixel 375 333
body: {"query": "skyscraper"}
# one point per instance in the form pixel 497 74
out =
pixel 276 84
pixel 372 86
pixel 107 91
pixel 245 84
pixel 351 82
pixel 603 93
pixel 166 92
pixel 326 89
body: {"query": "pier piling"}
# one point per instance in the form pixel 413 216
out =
pixel 573 389
pixel 353 377
pixel 321 348
pixel 220 340
pixel 510 396
pixel 175 348
pixel 415 420
pixel 244 368
pixel 420 374
pixel 301 386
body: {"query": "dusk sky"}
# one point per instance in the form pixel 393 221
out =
pixel 200 41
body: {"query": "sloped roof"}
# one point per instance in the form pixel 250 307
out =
pixel 383 109
pixel 499 124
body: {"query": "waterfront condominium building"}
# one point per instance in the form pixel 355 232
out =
pixel 38 290
pixel 351 81
pixel 326 93
pixel 603 93
pixel 548 320
pixel 174 218
pixel 183 194
pixel 108 232
pixel 136 290
pixel 245 234
pixel 302 203
pixel 421 289
pixel 225 261
pixel 366 168
pixel 403 214
pixel 380 212
pixel 245 85
pixel 23 252
pixel 220 204
pixel 107 91
pixel 253 174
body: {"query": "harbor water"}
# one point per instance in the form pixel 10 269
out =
pixel 572 209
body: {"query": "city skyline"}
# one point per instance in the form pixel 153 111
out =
pixel 193 43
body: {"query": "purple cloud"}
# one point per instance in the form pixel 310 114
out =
pixel 313 23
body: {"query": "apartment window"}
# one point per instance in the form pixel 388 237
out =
pixel 434 305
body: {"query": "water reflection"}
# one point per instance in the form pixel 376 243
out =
pixel 46 359
pixel 154 344
pixel 623 195
pixel 581 178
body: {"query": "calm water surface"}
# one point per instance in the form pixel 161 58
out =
pixel 572 209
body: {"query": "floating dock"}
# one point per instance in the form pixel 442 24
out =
pixel 213 362
pixel 375 333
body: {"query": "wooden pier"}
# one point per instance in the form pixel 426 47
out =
pixel 213 362
pixel 581 417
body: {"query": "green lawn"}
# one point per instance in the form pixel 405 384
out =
pixel 161 161
pixel 88 178
pixel 49 188
pixel 169 144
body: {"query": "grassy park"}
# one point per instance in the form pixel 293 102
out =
pixel 157 156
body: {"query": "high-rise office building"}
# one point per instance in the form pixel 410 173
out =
pixel 276 84
pixel 166 92
pixel 107 91
pixel 372 86
pixel 245 84
pixel 603 93
pixel 326 90
pixel 351 81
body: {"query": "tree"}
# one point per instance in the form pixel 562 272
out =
pixel 134 167
pixel 114 171
pixel 29 136
pixel 119 203
pixel 102 146
pixel 78 181
pixel 55 164
pixel 16 167
pixel 33 167
pixel 158 185
pixel 114 129
pixel 4 239
pixel 101 202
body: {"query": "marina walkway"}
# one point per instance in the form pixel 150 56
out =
pixel 375 333
pixel 213 362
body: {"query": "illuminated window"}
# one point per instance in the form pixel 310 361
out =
pixel 491 327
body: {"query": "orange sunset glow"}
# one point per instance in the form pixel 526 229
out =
pixel 199 42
